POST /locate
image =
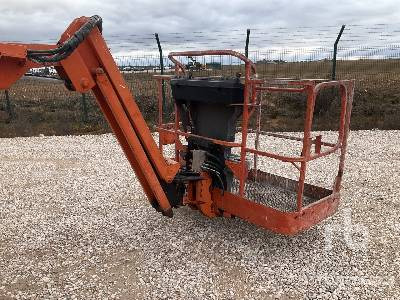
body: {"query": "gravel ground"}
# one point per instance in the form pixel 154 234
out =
pixel 74 224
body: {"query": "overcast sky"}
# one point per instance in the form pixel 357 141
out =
pixel 44 20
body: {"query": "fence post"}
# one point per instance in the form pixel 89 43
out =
pixel 85 113
pixel 9 106
pixel 335 52
pixel 246 49
pixel 162 70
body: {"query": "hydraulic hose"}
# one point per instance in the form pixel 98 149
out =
pixel 66 48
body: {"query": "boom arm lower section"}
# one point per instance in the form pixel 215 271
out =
pixel 85 63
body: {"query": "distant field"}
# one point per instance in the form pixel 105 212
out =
pixel 366 71
pixel 45 106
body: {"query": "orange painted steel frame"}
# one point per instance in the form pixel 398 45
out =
pixel 238 205
pixel 91 67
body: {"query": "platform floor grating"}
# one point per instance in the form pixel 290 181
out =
pixel 271 195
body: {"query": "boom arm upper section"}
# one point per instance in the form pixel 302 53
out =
pixel 84 62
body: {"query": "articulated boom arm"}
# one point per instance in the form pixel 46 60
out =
pixel 83 61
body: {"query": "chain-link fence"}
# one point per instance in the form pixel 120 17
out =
pixel 369 54
pixel 37 101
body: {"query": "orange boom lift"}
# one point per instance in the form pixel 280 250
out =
pixel 210 171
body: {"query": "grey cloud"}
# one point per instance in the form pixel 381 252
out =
pixel 45 20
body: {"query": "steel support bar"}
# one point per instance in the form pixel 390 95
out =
pixel 131 137
pixel 246 49
pixel 167 171
pixel 335 52
pixel 161 69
